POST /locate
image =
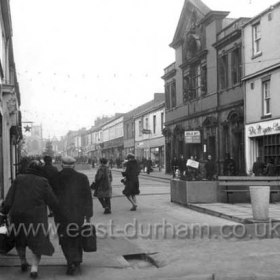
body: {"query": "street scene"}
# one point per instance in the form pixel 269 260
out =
pixel 179 256
pixel 139 139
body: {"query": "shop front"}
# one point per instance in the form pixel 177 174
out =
pixel 113 149
pixel 153 149
pixel 263 140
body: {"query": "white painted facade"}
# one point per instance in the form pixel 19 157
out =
pixel 149 140
pixel 113 130
pixel 261 66
pixel 10 134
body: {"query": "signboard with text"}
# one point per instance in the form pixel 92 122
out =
pixel 192 136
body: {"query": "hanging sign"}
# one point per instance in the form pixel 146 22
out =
pixel 192 136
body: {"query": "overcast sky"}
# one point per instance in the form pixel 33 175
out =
pixel 77 60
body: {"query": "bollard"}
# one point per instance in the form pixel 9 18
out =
pixel 260 202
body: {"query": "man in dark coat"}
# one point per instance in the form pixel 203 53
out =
pixel 74 195
pixel 229 165
pixel 26 203
pixel 50 172
pixel 131 180
pixel 259 167
pixel 210 168
pixel 174 165
pixel 182 165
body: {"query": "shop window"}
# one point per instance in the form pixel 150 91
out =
pixel 270 146
pixel 266 97
pixel 256 29
pixel 236 66
pixel 223 71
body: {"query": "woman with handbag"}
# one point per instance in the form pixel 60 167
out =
pixel 103 186
pixel 26 203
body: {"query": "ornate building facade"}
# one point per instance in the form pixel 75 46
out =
pixel 203 91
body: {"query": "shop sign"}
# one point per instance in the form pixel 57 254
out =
pixel 193 163
pixel 90 148
pixel 192 137
pixel 265 128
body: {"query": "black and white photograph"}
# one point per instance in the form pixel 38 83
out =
pixel 140 139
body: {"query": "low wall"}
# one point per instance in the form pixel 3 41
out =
pixel 185 192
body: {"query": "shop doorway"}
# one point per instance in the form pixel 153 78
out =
pixel 212 147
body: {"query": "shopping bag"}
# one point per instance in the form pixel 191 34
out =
pixel 88 234
pixel 7 241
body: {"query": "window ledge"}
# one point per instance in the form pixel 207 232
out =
pixel 268 116
pixel 256 55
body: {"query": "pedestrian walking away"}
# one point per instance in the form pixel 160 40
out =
pixel 103 185
pixel 26 203
pixel 74 195
pixel 49 172
pixel 131 180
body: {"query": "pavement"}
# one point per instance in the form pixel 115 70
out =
pixel 162 240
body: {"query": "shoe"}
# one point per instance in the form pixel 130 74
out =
pixel 70 269
pixel 133 208
pixel 34 275
pixel 107 211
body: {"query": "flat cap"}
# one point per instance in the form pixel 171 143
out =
pixel 68 160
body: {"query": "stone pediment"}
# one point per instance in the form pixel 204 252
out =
pixel 193 11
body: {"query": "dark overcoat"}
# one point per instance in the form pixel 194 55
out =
pixel 26 203
pixel 75 203
pixel 103 179
pixel 50 172
pixel 74 195
pixel 131 175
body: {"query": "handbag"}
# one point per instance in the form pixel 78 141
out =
pixel 7 240
pixel 88 234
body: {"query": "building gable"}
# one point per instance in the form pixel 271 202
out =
pixel 193 11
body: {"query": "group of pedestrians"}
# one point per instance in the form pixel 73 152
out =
pixel 67 193
pixel 102 184
pixel 262 169
pixel 193 169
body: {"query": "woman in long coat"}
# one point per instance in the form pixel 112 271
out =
pixel 131 180
pixel 26 203
pixel 103 186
